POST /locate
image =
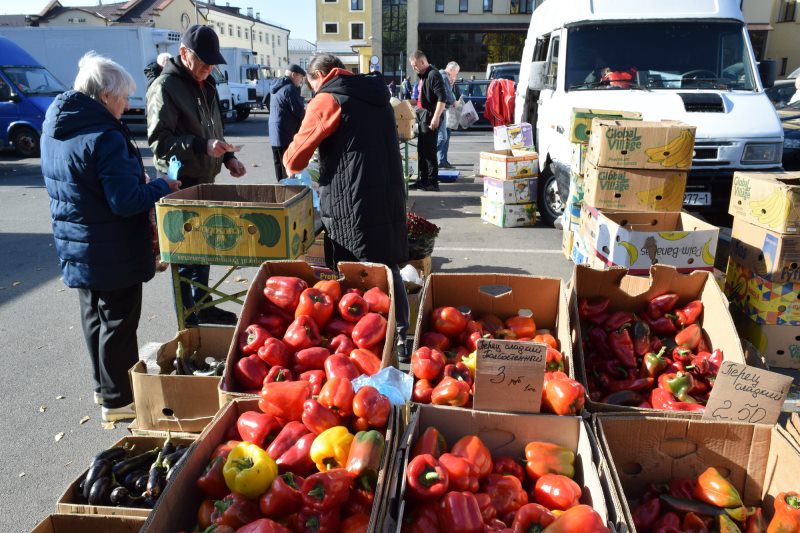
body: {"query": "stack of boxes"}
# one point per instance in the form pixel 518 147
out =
pixel 763 275
pixel 509 178
pixel 634 178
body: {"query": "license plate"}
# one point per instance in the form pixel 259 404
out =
pixel 697 198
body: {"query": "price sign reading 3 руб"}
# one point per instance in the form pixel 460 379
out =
pixel 509 375
pixel 744 393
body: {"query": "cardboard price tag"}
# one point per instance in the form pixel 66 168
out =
pixel 509 375
pixel 744 393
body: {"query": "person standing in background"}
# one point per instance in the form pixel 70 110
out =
pixel 449 74
pixel 430 111
pixel 405 89
pixel 286 112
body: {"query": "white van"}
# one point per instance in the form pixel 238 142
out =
pixel 688 60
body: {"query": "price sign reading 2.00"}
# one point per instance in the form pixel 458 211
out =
pixel 509 375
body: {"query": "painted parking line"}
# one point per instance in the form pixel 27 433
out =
pixel 495 250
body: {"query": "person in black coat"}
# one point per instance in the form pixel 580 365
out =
pixel 286 112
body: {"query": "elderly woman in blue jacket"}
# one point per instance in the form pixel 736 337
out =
pixel 99 204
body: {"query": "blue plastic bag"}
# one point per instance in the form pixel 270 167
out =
pixel 174 167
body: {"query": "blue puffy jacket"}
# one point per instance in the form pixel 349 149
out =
pixel 286 111
pixel 99 201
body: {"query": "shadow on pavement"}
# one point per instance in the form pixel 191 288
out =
pixel 28 258
pixel 438 264
pixel 21 172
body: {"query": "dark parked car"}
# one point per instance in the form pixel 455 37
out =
pixel 475 91
pixel 790 119
pixel 781 93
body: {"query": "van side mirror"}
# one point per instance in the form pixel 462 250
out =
pixel 768 71
pixel 5 93
pixel 536 79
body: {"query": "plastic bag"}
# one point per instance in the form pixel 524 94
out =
pixel 453 115
pixel 468 115
pixel 390 382
pixel 174 167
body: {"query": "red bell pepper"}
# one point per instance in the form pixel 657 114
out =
pixel 556 491
pixel 273 323
pixel 224 449
pixel 366 362
pixel 340 365
pixel 284 399
pixel 204 513
pixel 372 406
pixel 342 344
pixel 279 373
pixel 787 513
pixel 434 339
pixel 669 522
pixel 357 523
pixel 714 489
pixel 427 363
pixel 310 359
pixel 283 497
pixel 311 520
pixel 297 459
pixel 621 346
pixel 589 308
pixel 618 320
pixel 689 314
pixel 689 337
pixel 661 305
pixel 563 396
pixel 682 488
pixel 316 378
pixel 488 512
pixel 471 340
pixel 286 438
pixel 532 518
pixel 692 523
pixel 302 333
pixel 490 323
pixel 715 360
pixel 317 418
pixel 662 325
pixel 471 448
pixel 448 321
pixel 646 513
pixel 450 391
pixel 352 307
pixel 258 428
pixel 546 338
pixel 286 315
pixel 250 372
pixel 212 482
pixel 262 525
pixel 508 466
pixel 635 384
pixel 426 479
pixel 275 353
pixel 653 364
pixel 508 334
pixel 431 442
pixel 579 518
pixel 316 304
pixel 370 330
pixel 327 490
pixel 461 512
pixel 331 287
pixel 641 337
pixel 284 291
pixel 234 510
pixel 757 523
pixel 679 384
pixel 507 493
pixel 522 326
pixel 598 340
pixel 364 460
pixel 664 400
pixel 554 360
pixel 458 371
pixel 461 474
pixel 252 339
pixel 378 301
pixel 337 394
pixel 360 501
pixel 548 458
pixel 422 391
pixel 424 518
pixel 339 326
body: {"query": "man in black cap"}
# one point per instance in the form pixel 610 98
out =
pixel 286 112
pixel 183 120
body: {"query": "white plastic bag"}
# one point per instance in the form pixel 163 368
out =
pixel 468 115
pixel 453 115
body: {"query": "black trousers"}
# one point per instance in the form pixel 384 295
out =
pixel 110 320
pixel 277 158
pixel 428 159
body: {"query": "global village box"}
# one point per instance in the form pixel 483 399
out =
pixel 580 126
pixel 767 199
pixel 771 255
pixel 235 224
pixel 664 145
pixel 638 241
pixel 633 189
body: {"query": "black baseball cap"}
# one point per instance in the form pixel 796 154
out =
pixel 203 41
pixel 297 69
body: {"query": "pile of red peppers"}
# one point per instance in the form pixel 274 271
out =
pixel 710 503
pixel 465 489
pixel 658 357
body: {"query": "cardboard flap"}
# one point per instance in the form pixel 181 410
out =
pixel 238 195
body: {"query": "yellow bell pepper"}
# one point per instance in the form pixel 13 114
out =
pixel 249 470
pixel 331 448
pixel 470 362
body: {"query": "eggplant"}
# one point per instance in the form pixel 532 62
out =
pixel 100 491
pixel 148 502
pixel 112 454
pixel 172 459
pixel 99 469
pixel 140 485
pixel 136 462
pixel 120 496
pixel 129 480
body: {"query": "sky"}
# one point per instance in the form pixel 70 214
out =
pixel 296 15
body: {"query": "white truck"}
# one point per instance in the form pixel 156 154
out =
pixel 241 69
pixel 687 60
pixel 59 49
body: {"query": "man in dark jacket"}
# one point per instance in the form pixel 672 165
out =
pixel 286 112
pixel 430 115
pixel 183 120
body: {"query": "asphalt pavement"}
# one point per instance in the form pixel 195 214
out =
pixel 49 427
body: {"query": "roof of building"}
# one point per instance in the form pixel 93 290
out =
pixel 237 12
pixel 130 12
pixel 301 45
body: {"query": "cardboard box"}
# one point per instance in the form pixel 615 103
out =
pixel 315 253
pixel 578 159
pixel 235 224
pixel 763 301
pixel 423 266
pixel 176 510
pixel 353 275
pixel 180 403
pixel 780 345
pixel 632 293
pixel 70 523
pixel 771 255
pixel 69 502
pixel 567 238
pixel 638 241
pixel 572 208
pixel 767 199
pixel 581 254
pixel 136 431
pixel 508 215
pixel 633 189
pixel 519 191
pixel 405 118
pixel 759 460
pixel 665 145
pixel 580 125
pixel 509 164
pixel 513 136
pixel 505 434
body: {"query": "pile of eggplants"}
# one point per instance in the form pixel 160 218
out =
pixel 119 478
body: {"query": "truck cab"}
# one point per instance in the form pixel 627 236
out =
pixel 687 60
pixel 26 91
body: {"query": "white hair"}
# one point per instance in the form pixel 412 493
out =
pixel 452 66
pixel 98 75
pixel 162 58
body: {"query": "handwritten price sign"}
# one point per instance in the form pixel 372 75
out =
pixel 509 375
pixel 744 393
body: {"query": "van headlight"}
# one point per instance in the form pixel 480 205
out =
pixel 762 153
pixel 792 144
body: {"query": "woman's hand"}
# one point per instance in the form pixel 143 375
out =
pixel 236 168
pixel 174 185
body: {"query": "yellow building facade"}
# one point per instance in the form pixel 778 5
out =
pixel 345 28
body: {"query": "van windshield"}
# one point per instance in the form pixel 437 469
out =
pixel 659 55
pixel 34 81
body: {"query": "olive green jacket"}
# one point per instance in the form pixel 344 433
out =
pixel 181 118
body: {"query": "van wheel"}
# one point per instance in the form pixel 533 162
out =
pixel 25 141
pixel 550 205
pixel 242 114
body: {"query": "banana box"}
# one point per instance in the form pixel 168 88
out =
pixel 509 164
pixel 638 241
pixel 572 208
pixel 580 124
pixel 519 191
pixel 761 300
pixel 513 136
pixel 771 255
pixel 767 199
pixel 235 224
pixel 578 158
pixel 633 189
pixel 567 238
pixel 780 345
pixel 508 215
pixel 664 145
pixel 580 251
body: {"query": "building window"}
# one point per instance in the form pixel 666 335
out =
pixel 222 29
pixel 522 7
pixel 279 40
pixel 439 6
pixel 230 30
pixel 273 39
pixel 787 11
pixel 356 30
pixel 356 5
pixel 260 37
pixel 473 49
pixel 488 6
pixel 246 34
pixel 330 27
pixel 239 32
pixel 463 6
